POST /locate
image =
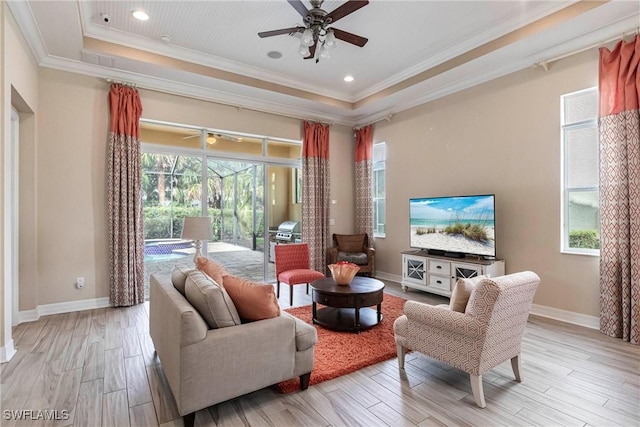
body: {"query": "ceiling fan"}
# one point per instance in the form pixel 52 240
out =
pixel 316 29
pixel 213 137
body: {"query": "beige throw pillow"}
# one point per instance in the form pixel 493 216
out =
pixel 212 301
pixel 179 276
pixel 461 293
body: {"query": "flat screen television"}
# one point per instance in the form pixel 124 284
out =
pixel 454 226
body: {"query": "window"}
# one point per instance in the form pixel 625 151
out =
pixel 580 160
pixel 379 193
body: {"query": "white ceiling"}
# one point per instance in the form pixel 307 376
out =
pixel 417 50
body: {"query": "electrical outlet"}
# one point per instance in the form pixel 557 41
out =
pixel 80 282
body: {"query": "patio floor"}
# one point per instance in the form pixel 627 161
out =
pixel 240 261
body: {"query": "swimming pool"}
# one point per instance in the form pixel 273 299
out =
pixel 166 249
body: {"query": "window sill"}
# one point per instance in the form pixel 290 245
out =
pixel 379 236
pixel 572 252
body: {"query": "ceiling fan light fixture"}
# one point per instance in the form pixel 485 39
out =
pixel 307 37
pixel 211 139
pixel 304 50
pixel 330 40
pixel 324 53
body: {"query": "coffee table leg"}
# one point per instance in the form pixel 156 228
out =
pixel 314 314
pixel 357 325
pixel 379 312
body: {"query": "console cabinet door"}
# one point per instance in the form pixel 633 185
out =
pixel 414 269
pixel 465 271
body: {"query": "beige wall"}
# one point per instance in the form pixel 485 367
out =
pixel 71 203
pixel 20 90
pixel 502 137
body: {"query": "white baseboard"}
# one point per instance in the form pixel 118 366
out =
pixel 592 322
pixel 62 307
pixel 7 352
pixel 387 276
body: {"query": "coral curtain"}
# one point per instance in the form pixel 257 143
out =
pixel 315 192
pixel 126 239
pixel 364 179
pixel 619 131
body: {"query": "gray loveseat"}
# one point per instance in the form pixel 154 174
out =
pixel 207 366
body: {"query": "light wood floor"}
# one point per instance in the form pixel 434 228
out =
pixel 100 366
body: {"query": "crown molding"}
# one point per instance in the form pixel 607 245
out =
pixel 195 92
pixel 195 57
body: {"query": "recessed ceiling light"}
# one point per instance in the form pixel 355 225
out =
pixel 140 15
pixel 348 78
pixel 274 54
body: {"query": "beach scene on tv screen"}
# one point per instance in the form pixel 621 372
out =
pixel 454 224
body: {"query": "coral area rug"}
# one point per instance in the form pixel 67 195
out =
pixel 340 353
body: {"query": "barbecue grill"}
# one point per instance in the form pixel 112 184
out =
pixel 288 231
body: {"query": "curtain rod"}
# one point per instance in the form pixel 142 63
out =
pixel 123 83
pixel 387 118
pixel 545 64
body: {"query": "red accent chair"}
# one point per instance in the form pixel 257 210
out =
pixel 292 267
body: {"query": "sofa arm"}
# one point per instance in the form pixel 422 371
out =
pixel 306 335
pixel 441 317
pixel 236 360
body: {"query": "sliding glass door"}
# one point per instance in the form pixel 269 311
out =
pixel 250 188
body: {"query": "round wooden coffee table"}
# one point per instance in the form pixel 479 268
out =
pixel 346 305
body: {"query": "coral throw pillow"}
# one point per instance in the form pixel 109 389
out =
pixel 254 301
pixel 462 292
pixel 211 269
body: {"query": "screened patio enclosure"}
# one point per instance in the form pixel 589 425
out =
pixel 233 197
pixel 236 202
pixel 246 183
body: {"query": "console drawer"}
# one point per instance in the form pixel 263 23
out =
pixel 440 282
pixel 439 267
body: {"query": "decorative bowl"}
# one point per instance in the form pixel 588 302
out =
pixel 343 272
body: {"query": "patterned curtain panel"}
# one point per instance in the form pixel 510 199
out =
pixel 364 177
pixel 315 193
pixel 126 244
pixel 619 128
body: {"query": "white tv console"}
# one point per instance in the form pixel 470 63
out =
pixel 438 274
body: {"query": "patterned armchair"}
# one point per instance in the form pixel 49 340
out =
pixel 488 333
pixel 353 248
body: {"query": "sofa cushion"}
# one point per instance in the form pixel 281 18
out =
pixel 358 258
pixel 212 269
pixel 461 293
pixel 254 301
pixel 211 300
pixel 179 276
pixel 350 242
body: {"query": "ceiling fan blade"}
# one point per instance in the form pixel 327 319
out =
pixel 279 32
pixel 349 38
pixel 301 8
pixel 192 136
pixel 312 50
pixel 347 8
